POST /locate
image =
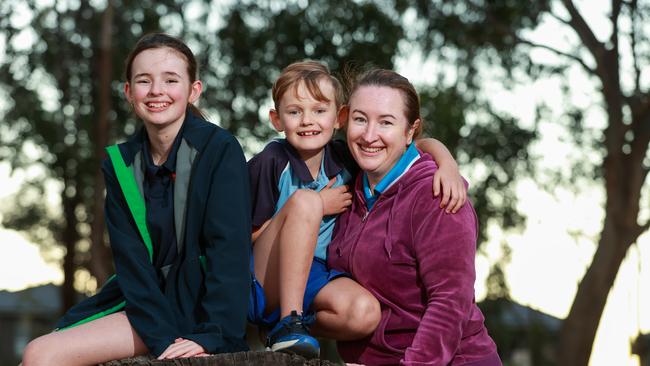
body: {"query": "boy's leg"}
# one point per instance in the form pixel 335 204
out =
pixel 345 311
pixel 108 338
pixel 283 253
pixel 282 256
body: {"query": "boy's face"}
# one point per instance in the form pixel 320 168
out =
pixel 307 123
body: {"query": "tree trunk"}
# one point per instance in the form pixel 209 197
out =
pixel 579 328
pixel 624 177
pixel 100 258
pixel 70 237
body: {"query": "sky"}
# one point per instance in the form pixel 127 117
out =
pixel 549 257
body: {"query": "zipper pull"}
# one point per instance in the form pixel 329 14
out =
pixel 365 216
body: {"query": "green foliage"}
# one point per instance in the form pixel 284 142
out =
pixel 473 25
pixel 50 73
pixel 491 143
pixel 497 285
pixel 52 80
pixel 260 39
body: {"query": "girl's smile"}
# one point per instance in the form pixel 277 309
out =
pixel 160 89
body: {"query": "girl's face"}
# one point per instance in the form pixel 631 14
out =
pixel 160 87
pixel 378 132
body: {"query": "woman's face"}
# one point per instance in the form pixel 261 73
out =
pixel 160 87
pixel 378 132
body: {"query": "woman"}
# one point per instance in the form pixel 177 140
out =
pixel 395 240
pixel 178 217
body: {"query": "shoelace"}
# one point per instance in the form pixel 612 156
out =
pixel 297 322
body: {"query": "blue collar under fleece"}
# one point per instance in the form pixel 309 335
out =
pixel 396 172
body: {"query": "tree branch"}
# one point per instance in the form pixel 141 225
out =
pixel 633 44
pixel 607 68
pixel 616 11
pixel 559 19
pixel 559 53
pixel 641 122
pixel 580 26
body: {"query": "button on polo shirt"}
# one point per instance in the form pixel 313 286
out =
pixel 158 189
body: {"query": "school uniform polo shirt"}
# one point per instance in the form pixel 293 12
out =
pixel 278 171
pixel 410 156
pixel 158 189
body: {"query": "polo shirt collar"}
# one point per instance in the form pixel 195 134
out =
pixel 410 156
pixel 298 166
pixel 170 163
pixel 193 131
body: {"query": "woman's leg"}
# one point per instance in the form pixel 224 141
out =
pixel 283 253
pixel 108 338
pixel 345 311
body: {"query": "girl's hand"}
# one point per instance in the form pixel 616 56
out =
pixel 454 193
pixel 183 348
pixel 335 200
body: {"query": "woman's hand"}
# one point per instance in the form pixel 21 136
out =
pixel 335 200
pixel 448 181
pixel 183 348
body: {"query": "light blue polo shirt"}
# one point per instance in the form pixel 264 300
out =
pixel 278 171
pixel 289 183
pixel 410 156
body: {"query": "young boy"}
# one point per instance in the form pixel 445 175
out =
pixel 298 188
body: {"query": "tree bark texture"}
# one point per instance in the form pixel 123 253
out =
pixel 580 326
pixel 624 177
pixel 100 262
pixel 225 359
pixel 623 174
pixel 70 237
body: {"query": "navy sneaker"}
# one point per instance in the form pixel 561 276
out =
pixel 291 335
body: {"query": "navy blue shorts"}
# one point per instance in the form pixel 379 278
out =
pixel 319 276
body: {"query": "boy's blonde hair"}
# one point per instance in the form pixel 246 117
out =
pixel 309 72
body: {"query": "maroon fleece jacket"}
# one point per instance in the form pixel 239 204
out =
pixel 418 261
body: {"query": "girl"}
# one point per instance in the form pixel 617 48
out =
pixel 182 279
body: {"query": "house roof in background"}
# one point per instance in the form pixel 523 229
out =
pixel 45 299
pixel 517 315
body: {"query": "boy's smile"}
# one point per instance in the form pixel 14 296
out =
pixel 308 123
pixel 309 133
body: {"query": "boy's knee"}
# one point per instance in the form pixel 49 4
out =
pixel 306 203
pixel 364 315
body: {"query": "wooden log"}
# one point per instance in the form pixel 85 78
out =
pixel 252 358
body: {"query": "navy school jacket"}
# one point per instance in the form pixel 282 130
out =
pixel 212 218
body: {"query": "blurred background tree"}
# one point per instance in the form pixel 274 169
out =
pixel 499 33
pixel 62 80
pixel 62 74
